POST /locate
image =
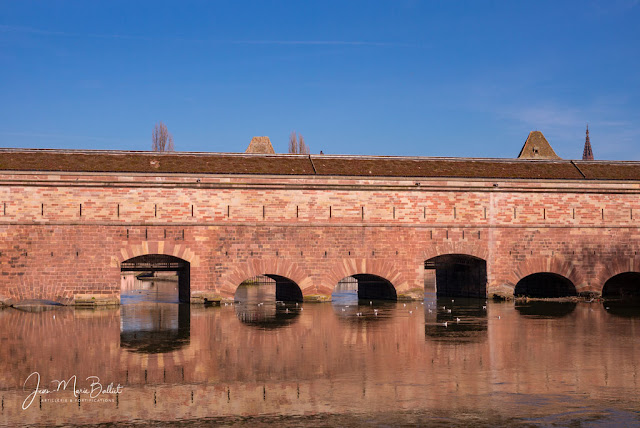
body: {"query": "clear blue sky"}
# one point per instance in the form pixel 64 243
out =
pixel 396 77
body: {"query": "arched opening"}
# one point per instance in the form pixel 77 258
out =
pixel 155 277
pixel 456 275
pixel 269 287
pixel 545 285
pixel 624 286
pixel 364 286
pixel 155 312
pixel 268 301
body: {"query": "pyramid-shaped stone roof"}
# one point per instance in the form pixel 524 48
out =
pixel 537 147
pixel 260 145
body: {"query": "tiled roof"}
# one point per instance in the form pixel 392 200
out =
pixel 322 165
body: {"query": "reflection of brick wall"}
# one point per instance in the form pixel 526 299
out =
pixel 310 366
pixel 323 362
pixel 67 239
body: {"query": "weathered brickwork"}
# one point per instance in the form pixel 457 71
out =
pixel 64 235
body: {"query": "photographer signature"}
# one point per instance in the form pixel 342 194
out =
pixel 94 390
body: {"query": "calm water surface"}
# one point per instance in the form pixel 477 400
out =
pixel 260 363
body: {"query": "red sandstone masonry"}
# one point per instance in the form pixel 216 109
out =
pixel 63 235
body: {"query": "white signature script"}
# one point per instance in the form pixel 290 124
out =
pixel 94 390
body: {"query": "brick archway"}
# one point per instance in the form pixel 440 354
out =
pixel 156 247
pixel 557 265
pixel 273 266
pixel 615 267
pixel 349 267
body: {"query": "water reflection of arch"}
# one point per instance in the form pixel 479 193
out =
pixel 456 275
pixel 542 309
pixel 623 286
pixel 361 312
pixel 268 316
pixel 623 308
pixel 545 285
pixel 153 328
pixel 471 312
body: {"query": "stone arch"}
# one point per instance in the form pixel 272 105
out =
pixel 159 263
pixel 615 267
pixel 273 267
pixel 624 285
pixel 545 285
pixel 456 275
pixel 156 247
pixel 349 267
pixel 554 265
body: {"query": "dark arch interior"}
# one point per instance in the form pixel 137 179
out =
pixel 622 286
pixel 456 275
pixel 286 290
pixel 163 263
pixel 545 285
pixel 373 287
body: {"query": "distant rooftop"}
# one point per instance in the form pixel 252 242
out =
pixel 537 147
pixel 260 145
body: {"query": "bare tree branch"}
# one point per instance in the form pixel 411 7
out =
pixel 293 146
pixel 161 138
pixel 302 147
pixel 297 144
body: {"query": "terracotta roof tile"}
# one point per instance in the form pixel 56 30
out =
pixel 325 165
pixel 607 170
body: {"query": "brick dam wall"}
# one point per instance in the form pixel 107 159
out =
pixel 65 235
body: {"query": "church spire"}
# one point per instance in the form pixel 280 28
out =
pixel 587 153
